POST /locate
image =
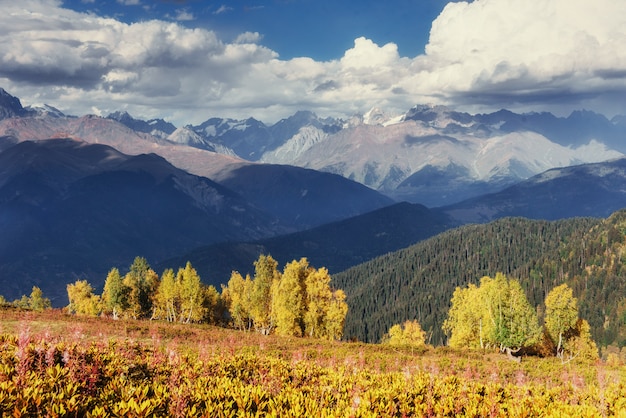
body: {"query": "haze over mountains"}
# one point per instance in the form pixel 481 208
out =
pixel 91 193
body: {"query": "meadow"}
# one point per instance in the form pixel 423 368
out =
pixel 60 365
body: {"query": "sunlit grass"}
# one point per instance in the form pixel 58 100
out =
pixel 147 355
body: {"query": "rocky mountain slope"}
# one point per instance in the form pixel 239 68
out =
pixel 290 188
pixel 586 190
pixel 430 154
pixel 434 157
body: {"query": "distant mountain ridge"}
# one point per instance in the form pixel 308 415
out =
pixel 596 190
pixel 430 154
pixel 291 186
pixel 71 210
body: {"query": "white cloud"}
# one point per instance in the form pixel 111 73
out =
pixel 223 9
pixel 129 2
pixel 524 49
pixel 491 53
pixel 184 15
pixel 248 38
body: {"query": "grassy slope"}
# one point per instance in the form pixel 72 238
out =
pixel 172 369
pixel 54 325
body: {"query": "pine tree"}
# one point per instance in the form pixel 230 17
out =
pixel 141 283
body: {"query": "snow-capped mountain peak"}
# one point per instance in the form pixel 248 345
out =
pixel 376 116
pixel 45 110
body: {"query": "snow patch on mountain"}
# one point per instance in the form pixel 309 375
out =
pixel 376 116
pixel 187 136
pixel 45 110
pixel 382 157
pixel 306 137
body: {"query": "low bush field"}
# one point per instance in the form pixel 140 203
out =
pixel 53 364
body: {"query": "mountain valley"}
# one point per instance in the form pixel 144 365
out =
pixel 82 194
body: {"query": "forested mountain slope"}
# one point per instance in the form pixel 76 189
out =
pixel 418 282
pixel 336 246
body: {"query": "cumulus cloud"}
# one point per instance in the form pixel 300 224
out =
pixel 493 53
pixel 521 50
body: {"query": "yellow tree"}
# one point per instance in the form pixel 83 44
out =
pixel 561 314
pixel 167 301
pixel 513 322
pixel 336 315
pixel 114 294
pixel 409 334
pixel 37 302
pixel 464 322
pixel 496 313
pixel 288 299
pixel 191 294
pixel 579 345
pixel 318 298
pixel 265 274
pixel 237 297
pixel 211 304
pixel 570 333
pixel 82 299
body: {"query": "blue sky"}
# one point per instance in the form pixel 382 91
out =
pixel 187 61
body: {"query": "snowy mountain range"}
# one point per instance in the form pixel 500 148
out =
pixel 431 154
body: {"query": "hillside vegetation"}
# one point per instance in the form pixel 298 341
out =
pixel 418 282
pixel 54 364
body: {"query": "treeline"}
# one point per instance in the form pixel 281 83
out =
pixel 419 281
pixel 298 301
pixel 142 294
pixel 35 302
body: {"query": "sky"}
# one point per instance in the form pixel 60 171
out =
pixel 189 60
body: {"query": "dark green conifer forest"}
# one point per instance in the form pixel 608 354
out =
pixel 418 282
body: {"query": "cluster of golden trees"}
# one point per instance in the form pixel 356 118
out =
pixel 141 294
pixel 407 334
pixel 497 314
pixel 298 302
pixel 35 302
